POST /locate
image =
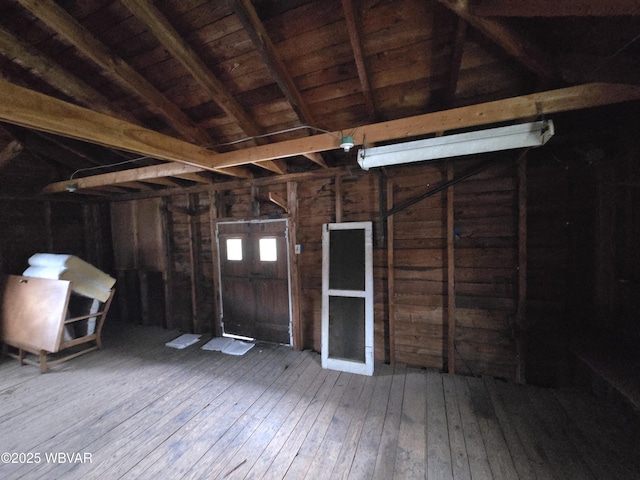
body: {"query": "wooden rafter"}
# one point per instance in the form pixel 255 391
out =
pixel 254 27
pixel 157 23
pixel 29 57
pixel 113 66
pixel 554 8
pixel 454 64
pixel 35 110
pixel 356 45
pixel 515 45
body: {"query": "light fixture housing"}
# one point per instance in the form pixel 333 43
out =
pixel 523 135
pixel 346 143
pixel 71 187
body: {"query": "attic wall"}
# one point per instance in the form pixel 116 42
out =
pixel 31 226
pixel 583 259
pixel 485 257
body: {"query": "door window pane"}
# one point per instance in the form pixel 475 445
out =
pixel 268 250
pixel 234 249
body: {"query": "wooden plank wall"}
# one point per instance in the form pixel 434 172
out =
pixel 31 226
pixel 485 243
pixel 485 218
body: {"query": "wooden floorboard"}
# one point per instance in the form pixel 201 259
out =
pixel 140 410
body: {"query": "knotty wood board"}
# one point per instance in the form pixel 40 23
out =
pixel 33 311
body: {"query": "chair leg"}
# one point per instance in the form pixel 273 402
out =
pixel 43 361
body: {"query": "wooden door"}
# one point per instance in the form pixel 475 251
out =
pixel 347 297
pixel 254 280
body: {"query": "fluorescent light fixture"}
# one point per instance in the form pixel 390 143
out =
pixel 491 140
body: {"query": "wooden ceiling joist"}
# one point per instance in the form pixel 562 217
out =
pixel 157 23
pixel 255 29
pixel 454 65
pixel 35 110
pixel 113 66
pixel 515 45
pixel 356 45
pixel 554 8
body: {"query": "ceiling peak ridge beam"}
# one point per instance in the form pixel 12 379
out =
pixel 113 66
pixel 27 108
pixel 23 107
pixel 518 47
pixel 356 45
pixel 554 8
pixel 157 23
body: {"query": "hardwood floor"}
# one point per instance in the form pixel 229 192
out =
pixel 139 410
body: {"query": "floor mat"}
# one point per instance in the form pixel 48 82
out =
pixel 229 346
pixel 183 341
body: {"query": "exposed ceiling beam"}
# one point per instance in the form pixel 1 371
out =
pixel 520 48
pixel 554 8
pixel 356 45
pixel 157 23
pixel 21 106
pixel 113 66
pixel 142 174
pixel 254 27
pixel 516 108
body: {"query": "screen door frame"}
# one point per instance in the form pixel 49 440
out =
pixel 364 367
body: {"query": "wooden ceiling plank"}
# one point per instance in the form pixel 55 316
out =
pixel 21 106
pixel 255 29
pixel 554 8
pixel 52 73
pixel 35 110
pixel 523 50
pixel 356 46
pixel 158 24
pixel 115 67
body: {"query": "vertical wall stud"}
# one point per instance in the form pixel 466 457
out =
pixel 451 277
pixel 391 275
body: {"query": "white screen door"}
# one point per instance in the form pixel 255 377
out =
pixel 347 297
